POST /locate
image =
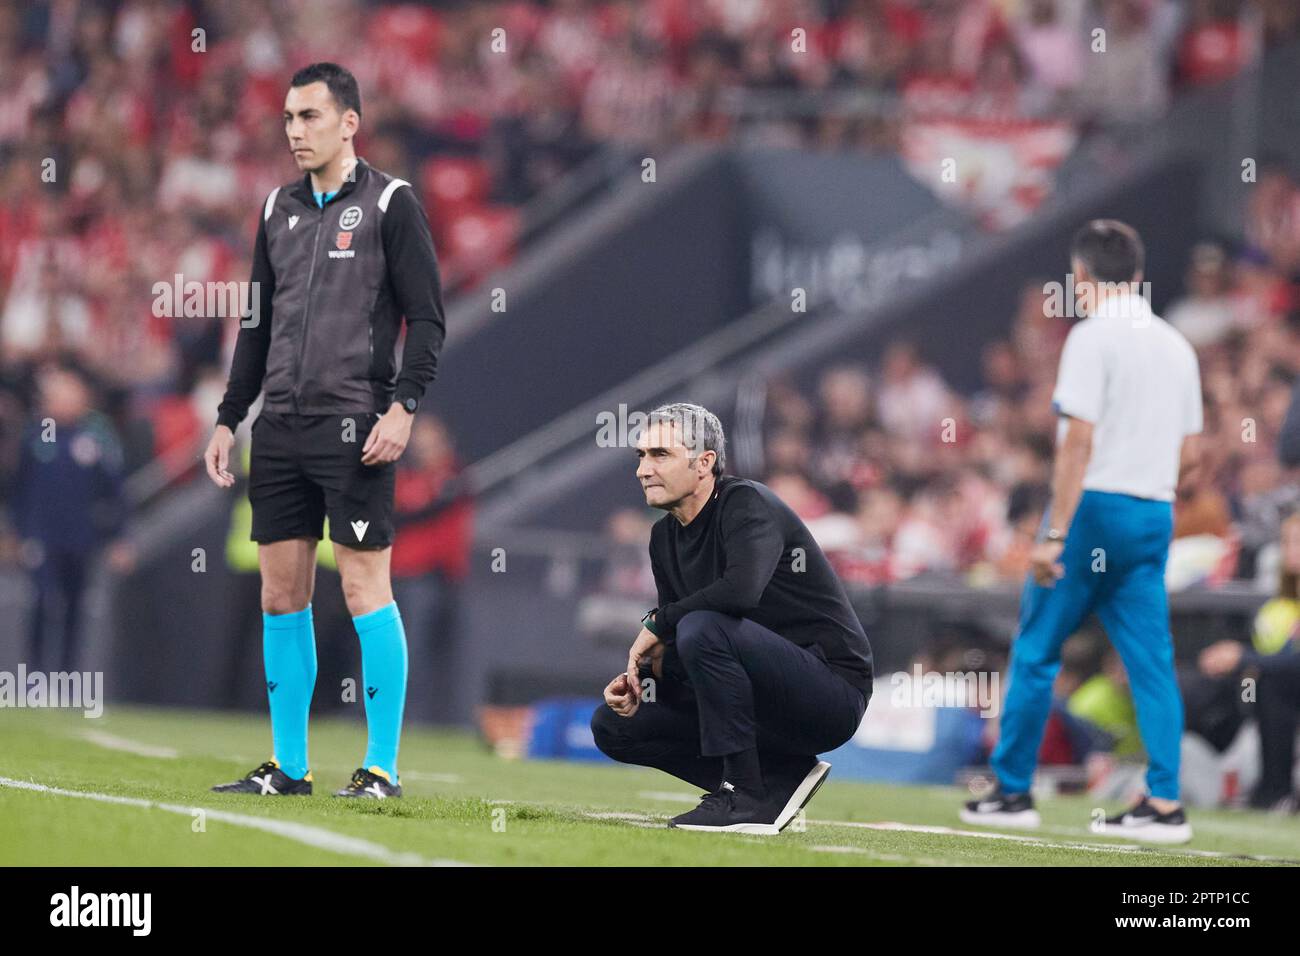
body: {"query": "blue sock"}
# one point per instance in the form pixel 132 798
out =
pixel 289 655
pixel 383 672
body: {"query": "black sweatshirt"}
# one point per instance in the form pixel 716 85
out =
pixel 746 554
pixel 334 286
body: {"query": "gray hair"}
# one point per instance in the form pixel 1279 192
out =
pixel 700 429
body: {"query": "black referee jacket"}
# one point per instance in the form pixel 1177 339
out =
pixel 331 286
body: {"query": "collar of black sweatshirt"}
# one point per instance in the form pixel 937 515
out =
pixel 303 191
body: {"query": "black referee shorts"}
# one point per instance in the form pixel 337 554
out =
pixel 304 467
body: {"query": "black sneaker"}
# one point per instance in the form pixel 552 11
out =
pixel 268 780
pixel 1144 823
pixel 372 783
pixel 1001 810
pixel 728 810
pixel 1279 805
pixel 1285 806
pixel 790 790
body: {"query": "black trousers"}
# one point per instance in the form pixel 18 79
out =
pixel 1278 707
pixel 59 583
pixel 738 685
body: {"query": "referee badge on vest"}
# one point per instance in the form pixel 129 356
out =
pixel 343 240
pixel 350 218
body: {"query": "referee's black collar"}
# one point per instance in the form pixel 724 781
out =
pixel 303 192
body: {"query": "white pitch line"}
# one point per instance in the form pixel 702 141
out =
pixel 298 832
pixel 885 857
pixel 432 777
pixel 109 741
pixel 641 819
pixel 668 796
pixel 1029 840
pixel 112 742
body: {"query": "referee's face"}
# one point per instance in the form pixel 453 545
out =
pixel 664 467
pixel 315 127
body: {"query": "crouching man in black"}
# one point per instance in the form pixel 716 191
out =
pixel 754 662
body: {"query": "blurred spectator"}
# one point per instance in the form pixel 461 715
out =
pixel 1050 41
pixel 628 570
pixel 1263 498
pixel 1216 44
pixel 1025 509
pixel 44 315
pixel 67 506
pixel 1273 659
pixel 433 516
pixel 913 398
pixel 1273 216
pixel 1103 701
pixel 846 411
pixel 869 560
pixel 1131 85
pixel 1207 313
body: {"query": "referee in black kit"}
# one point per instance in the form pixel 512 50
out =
pixel 343 255
pixel 758 661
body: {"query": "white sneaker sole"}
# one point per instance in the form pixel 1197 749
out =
pixel 759 829
pixel 1021 819
pixel 807 788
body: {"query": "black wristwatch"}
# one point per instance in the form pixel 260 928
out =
pixel 410 404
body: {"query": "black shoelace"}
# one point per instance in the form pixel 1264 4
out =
pixel 719 799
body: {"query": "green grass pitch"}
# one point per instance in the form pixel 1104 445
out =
pixel 124 790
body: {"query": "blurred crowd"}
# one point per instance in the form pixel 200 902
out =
pixel 138 136
pixel 898 475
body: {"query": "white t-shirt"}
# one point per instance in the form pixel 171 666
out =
pixel 1136 379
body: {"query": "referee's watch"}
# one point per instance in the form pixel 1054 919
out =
pixel 410 404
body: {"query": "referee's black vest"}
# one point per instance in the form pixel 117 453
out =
pixel 334 319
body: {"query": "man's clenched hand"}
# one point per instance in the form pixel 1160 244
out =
pixel 646 647
pixel 619 697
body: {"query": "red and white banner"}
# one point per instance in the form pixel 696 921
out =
pixel 1000 170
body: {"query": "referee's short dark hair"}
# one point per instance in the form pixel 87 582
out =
pixel 342 84
pixel 1112 250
